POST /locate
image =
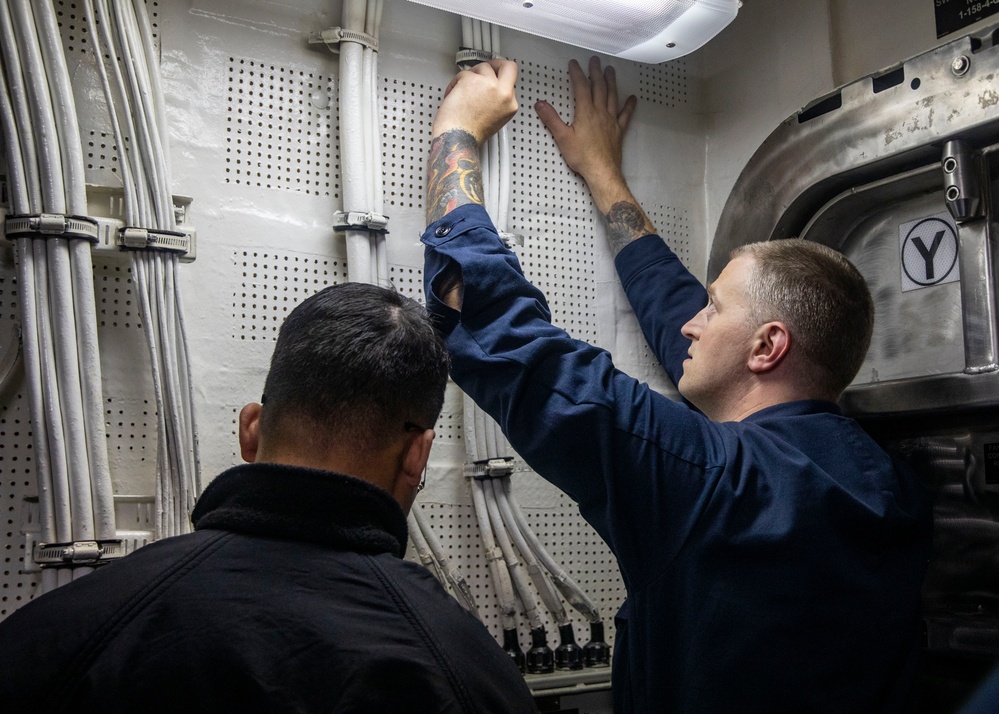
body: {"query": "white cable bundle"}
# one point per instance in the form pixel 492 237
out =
pixel 135 103
pixel 360 141
pixel 482 431
pixel 58 312
pixel 429 549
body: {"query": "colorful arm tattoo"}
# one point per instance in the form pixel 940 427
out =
pixel 454 176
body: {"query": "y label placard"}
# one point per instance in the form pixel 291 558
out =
pixel 928 252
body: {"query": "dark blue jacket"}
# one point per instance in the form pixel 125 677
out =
pixel 291 596
pixel 771 565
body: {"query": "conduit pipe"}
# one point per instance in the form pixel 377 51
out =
pixel 451 573
pixel 573 594
pixel 512 561
pixel 19 155
pixel 63 368
pixel 138 123
pixel 360 266
pixel 494 557
pixel 89 367
pixel 544 587
pixel 484 433
pixel 422 548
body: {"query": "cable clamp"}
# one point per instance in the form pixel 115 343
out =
pixel 132 238
pixel 86 552
pixel 337 35
pixel 489 469
pixel 359 221
pixel 467 57
pixel 51 225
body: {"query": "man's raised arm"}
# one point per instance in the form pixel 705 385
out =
pixel 477 103
pixel 592 147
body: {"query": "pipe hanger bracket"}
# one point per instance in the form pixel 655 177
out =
pixel 337 35
pixel 490 468
pixel 367 221
pixel 51 225
pixel 87 552
pixel 132 238
pixel 467 57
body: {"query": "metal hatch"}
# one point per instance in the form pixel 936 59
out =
pixel 870 154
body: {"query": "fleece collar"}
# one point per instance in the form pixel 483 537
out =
pixel 303 504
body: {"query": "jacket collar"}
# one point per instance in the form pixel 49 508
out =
pixel 322 507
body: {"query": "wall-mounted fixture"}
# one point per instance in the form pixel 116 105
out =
pixel 643 30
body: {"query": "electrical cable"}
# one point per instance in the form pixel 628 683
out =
pixel 451 573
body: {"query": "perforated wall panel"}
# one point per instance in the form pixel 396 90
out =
pixel 280 128
pixel 253 119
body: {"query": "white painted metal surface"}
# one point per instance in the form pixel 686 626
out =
pixel 253 122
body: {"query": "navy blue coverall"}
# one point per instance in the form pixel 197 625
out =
pixel 771 565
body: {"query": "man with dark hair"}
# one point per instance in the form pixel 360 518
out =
pixel 292 594
pixel 773 554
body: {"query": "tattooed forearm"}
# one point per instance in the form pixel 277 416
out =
pixel 454 176
pixel 625 223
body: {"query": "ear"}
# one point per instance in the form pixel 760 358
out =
pixel 249 431
pixel 770 346
pixel 415 457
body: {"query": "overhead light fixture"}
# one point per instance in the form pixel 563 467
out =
pixel 642 30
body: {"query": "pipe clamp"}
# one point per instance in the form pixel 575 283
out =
pixel 51 225
pixel 86 552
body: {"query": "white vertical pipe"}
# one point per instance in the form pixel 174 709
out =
pixel 70 386
pixel 187 382
pixel 81 271
pixel 185 478
pixel 352 155
pixel 505 163
pixel 64 107
pixel 487 44
pixel 477 34
pixel 23 184
pixel 43 120
pixel 62 379
pixel 128 182
pixel 494 556
pixel 544 587
pixel 57 93
pixel 53 418
pixel 19 109
pixel 146 136
pixel 141 13
pixel 513 563
pixel 112 32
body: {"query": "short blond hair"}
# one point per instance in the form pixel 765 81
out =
pixel 822 299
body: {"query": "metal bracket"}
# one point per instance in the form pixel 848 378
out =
pixel 467 57
pixel 130 238
pixel 51 225
pixel 88 552
pixel 336 35
pixel 360 221
pixel 962 190
pixel 490 468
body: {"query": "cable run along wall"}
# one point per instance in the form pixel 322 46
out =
pixel 253 122
pixel 58 313
pixel 122 30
